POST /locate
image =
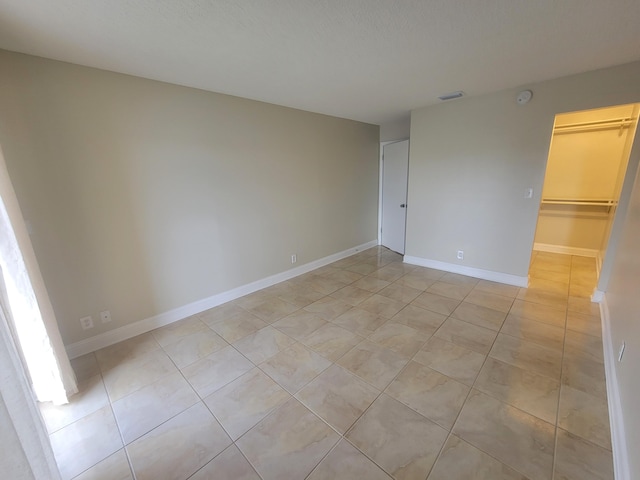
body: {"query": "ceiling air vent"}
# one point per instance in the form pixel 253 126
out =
pixel 452 95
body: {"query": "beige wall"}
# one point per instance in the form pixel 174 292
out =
pixel 472 159
pixel 396 130
pixel 624 309
pixel 144 196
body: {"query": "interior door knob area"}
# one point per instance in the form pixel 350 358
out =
pixel 402 205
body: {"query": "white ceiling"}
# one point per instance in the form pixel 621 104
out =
pixel 368 60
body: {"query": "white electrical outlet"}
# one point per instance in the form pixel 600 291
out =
pixel 460 254
pixel 105 317
pixel 294 258
pixel 621 351
pixel 86 323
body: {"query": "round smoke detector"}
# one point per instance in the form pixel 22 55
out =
pixel 524 97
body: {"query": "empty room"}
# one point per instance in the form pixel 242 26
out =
pixel 319 240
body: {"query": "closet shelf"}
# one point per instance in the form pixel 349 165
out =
pixel 573 201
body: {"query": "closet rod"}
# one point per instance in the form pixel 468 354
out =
pixel 600 203
pixel 609 123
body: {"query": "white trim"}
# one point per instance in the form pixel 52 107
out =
pixel 597 296
pixel 470 271
pixel 146 325
pixel 616 420
pixel 582 252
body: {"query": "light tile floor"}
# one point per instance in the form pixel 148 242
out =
pixel 366 368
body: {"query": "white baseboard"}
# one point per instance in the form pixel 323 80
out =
pixel 618 438
pixel 597 296
pixel 469 271
pixel 582 252
pixel 146 325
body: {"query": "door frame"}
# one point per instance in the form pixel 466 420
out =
pixel 380 174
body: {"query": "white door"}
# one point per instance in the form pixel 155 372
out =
pixel 395 168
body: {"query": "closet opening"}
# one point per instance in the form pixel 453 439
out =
pixel 587 163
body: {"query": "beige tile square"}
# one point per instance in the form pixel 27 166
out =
pixel 328 308
pixel 581 344
pixel 177 330
pixel 273 309
pixel 584 373
pixel 578 459
pixel 91 396
pixel 114 467
pixel 234 328
pixel 300 297
pixel 538 273
pixel 436 303
pixel 521 441
pixel 467 335
pixel 351 295
pixel 180 447
pixel 126 378
pixel 382 306
pixel 392 271
pixel 577 290
pixel 588 324
pixel 457 279
pixel 399 338
pixel 299 324
pixel 539 312
pixel 345 462
pixel 145 409
pixel 294 367
pixel 401 441
pixel 217 314
pixel 85 442
pixel 436 396
pixel 401 293
pixel 338 397
pixel 449 290
pixel 416 280
pixel 216 370
pixel 526 390
pixel 125 351
pixel 527 355
pixel 551 299
pixel 490 300
pixel 326 285
pixel 331 341
pixel 363 268
pixel 561 287
pixel 584 415
pixel 263 344
pixel 344 276
pixel 244 402
pixel 419 318
pixel 460 460
pixel 374 364
pixel 229 465
pixel 359 321
pixel 543 334
pixel 191 348
pixel 288 444
pixel 584 306
pixel 85 366
pixel 370 284
pixel 481 316
pixel 431 273
pixel 497 288
pixel 253 300
pixel 450 359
